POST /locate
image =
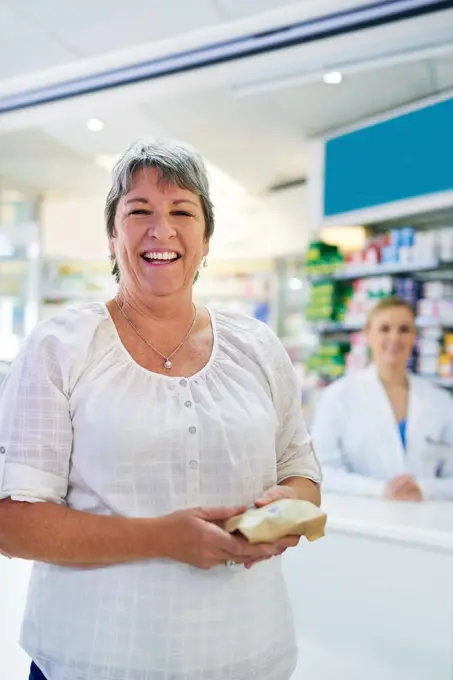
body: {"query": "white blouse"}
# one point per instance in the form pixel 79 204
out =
pixel 81 423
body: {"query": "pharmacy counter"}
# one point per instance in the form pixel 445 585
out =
pixel 374 598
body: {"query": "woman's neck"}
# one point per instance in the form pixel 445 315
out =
pixel 393 376
pixel 159 309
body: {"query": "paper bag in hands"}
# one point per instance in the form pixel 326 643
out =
pixel 279 519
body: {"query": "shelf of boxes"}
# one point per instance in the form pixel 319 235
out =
pixel 245 287
pixel 66 282
pixel 398 251
pixel 418 269
pixel 415 266
pixel 19 286
pixel 237 286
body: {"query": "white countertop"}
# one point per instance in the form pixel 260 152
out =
pixel 348 628
pixel 425 524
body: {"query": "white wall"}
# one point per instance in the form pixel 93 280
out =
pixel 281 222
pixel 73 226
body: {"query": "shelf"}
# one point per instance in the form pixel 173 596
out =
pixel 427 322
pixel 301 341
pixel 447 383
pixel 442 382
pixel 232 296
pixel 81 296
pixel 391 268
pixel 13 258
pixel 338 327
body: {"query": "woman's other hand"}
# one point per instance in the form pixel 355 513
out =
pixel 403 488
pixel 277 493
pixel 195 537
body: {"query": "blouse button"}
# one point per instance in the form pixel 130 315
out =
pixel 188 404
pixel 192 429
pixel 183 382
pixel 2 450
pixel 193 464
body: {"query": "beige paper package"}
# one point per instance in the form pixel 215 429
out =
pixel 282 518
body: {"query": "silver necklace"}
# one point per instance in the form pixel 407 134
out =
pixel 167 359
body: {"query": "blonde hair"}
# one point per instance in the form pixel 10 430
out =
pixel 393 302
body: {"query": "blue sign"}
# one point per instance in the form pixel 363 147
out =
pixel 408 156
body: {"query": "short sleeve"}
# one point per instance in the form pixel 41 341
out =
pixel 295 452
pixel 35 422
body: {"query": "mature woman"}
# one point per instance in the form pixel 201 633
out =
pixel 129 432
pixel 383 432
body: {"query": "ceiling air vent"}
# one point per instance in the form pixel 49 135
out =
pixel 288 184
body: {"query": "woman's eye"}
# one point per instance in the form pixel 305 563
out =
pixel 183 213
pixel 405 329
pixel 139 211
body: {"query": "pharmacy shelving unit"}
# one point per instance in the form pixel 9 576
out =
pixel 391 171
pixel 425 269
pixel 19 287
pixel 434 267
pixel 67 281
pixel 245 286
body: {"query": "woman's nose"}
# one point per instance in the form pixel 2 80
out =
pixel 161 228
pixel 396 337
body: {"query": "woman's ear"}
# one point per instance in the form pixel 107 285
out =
pixel 111 246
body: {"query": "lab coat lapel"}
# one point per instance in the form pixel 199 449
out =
pixel 424 426
pixel 390 445
pixel 414 416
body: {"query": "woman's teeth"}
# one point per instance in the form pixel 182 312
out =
pixel 168 256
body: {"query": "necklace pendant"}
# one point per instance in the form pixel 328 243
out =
pixel 167 364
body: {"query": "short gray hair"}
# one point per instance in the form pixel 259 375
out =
pixel 176 163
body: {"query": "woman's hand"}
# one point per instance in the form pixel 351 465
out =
pixel 195 537
pixel 277 493
pixel 403 488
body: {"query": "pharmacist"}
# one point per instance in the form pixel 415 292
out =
pixel 382 432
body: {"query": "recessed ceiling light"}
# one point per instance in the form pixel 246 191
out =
pixel 333 78
pixel 95 125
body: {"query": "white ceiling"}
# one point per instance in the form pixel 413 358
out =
pixel 259 138
pixel 62 36
pixel 68 30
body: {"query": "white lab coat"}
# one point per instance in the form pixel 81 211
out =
pixel 358 442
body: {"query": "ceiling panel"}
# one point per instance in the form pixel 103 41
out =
pixel 122 126
pixel 255 144
pixel 25 47
pixel 443 73
pixel 242 8
pixel 236 9
pixel 94 27
pixel 318 107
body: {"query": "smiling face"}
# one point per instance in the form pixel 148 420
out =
pixel 391 335
pixel 159 239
